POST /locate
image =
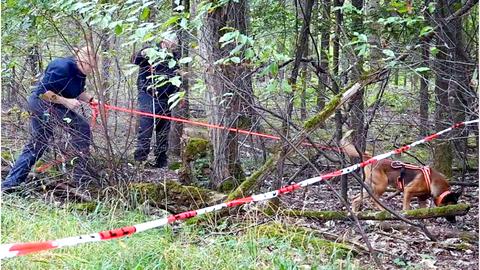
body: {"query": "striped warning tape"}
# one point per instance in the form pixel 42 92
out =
pixel 17 249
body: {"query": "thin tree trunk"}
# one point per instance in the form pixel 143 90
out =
pixel 424 96
pixel 222 94
pixel 181 110
pixel 442 150
pixel 325 47
pixel 336 88
pixel 301 47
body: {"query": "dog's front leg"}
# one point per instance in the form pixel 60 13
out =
pixel 407 198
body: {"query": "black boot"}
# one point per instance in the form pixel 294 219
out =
pixel 161 161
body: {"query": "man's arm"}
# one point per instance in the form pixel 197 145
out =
pixel 87 97
pixel 50 96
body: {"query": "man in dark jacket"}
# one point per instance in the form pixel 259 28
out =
pixel 153 92
pixel 53 103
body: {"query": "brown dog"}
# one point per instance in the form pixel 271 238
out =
pixel 414 181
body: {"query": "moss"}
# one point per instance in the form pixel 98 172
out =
pixel 422 213
pixel 462 246
pixel 196 148
pixel 176 197
pixel 238 177
pixel 468 237
pixel 84 207
pixel 196 156
pixel 227 185
pixel 175 166
pixel 443 156
pixel 302 238
pixel 320 117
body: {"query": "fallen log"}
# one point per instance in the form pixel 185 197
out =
pixel 310 126
pixel 173 196
pixel 421 213
pixel 439 231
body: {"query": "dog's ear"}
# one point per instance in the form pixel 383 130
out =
pixel 451 198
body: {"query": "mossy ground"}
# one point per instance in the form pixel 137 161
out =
pixel 186 247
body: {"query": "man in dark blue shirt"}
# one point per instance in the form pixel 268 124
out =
pixel 52 103
pixel 153 92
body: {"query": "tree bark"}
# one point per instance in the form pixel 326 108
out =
pixel 424 95
pixel 300 50
pixel 223 83
pixel 182 109
pixel 325 47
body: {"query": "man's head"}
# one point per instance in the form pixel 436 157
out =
pixel 169 41
pixel 86 59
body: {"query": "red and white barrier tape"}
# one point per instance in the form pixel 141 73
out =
pixel 96 111
pixel 12 250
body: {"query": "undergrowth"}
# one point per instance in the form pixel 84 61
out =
pixel 237 246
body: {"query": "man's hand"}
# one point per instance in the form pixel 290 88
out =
pixel 71 103
pixel 94 101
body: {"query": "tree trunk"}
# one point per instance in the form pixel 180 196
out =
pixel 106 65
pixel 300 50
pixel 443 70
pixel 325 47
pixel 222 83
pixel 458 91
pixel 357 108
pixel 181 110
pixel 336 87
pixel 424 96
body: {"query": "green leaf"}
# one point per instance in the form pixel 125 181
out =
pixel 389 53
pixel 145 14
pixel 274 68
pixel 175 81
pixel 432 7
pixel 118 29
pixel 249 53
pixel 228 36
pixel 235 59
pixel 131 68
pixel 426 30
pixel 175 98
pixel 171 63
pixel 183 23
pixel 185 60
pixel 434 50
pixel 236 49
pixel 422 69
pixel 171 20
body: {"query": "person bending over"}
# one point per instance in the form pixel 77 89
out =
pixel 52 103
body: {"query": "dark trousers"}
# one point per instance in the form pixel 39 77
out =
pixel 44 117
pixel 150 104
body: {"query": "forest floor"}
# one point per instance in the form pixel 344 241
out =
pixel 399 246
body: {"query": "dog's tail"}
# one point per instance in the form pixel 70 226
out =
pixel 349 149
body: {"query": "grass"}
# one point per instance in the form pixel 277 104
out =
pixel 180 247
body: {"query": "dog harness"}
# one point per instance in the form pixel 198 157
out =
pixel 401 179
pixel 426 175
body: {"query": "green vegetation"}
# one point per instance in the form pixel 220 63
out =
pixel 183 248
